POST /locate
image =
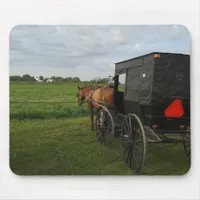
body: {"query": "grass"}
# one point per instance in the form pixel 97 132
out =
pixel 43 92
pixel 55 138
pixel 44 101
pixel 46 111
pixel 68 147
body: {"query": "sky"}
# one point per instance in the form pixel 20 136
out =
pixel 88 52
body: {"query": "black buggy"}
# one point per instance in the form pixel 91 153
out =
pixel 154 104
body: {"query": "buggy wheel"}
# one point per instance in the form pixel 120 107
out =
pixel 133 142
pixel 187 145
pixel 104 127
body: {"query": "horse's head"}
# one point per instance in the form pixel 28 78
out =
pixel 82 93
pixel 80 96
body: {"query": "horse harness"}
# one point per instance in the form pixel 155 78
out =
pixel 93 89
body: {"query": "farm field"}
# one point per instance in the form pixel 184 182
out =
pixel 48 137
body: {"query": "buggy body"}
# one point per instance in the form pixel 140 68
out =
pixel 157 90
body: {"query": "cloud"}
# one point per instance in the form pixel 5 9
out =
pixel 95 47
pixel 137 46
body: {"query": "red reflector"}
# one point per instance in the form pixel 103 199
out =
pixel 175 109
pixel 154 126
pixel 182 126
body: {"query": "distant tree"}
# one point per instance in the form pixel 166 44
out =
pixel 57 79
pixel 15 78
pixel 69 79
pixel 97 79
pixel 76 79
pixel 27 77
pixel 41 78
pixel 103 81
pixel 86 82
pixel 93 80
pixel 45 79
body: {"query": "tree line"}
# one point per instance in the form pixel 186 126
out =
pixel 55 79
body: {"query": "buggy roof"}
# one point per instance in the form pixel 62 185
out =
pixel 120 67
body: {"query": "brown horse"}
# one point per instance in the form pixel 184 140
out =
pixel 91 94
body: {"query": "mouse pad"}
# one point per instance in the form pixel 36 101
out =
pixel 100 100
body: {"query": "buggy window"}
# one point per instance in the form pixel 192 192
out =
pixel 133 84
pixel 122 79
pixel 139 84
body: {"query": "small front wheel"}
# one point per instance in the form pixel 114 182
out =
pixel 104 127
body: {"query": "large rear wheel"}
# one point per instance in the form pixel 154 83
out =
pixel 133 142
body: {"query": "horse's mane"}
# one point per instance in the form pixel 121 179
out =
pixel 90 86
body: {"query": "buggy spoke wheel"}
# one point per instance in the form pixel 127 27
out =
pixel 104 127
pixel 186 144
pixel 133 142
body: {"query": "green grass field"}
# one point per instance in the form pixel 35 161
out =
pixel 55 138
pixel 44 101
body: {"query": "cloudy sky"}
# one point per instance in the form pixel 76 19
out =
pixel 88 51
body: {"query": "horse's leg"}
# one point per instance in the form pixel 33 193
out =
pixel 91 115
